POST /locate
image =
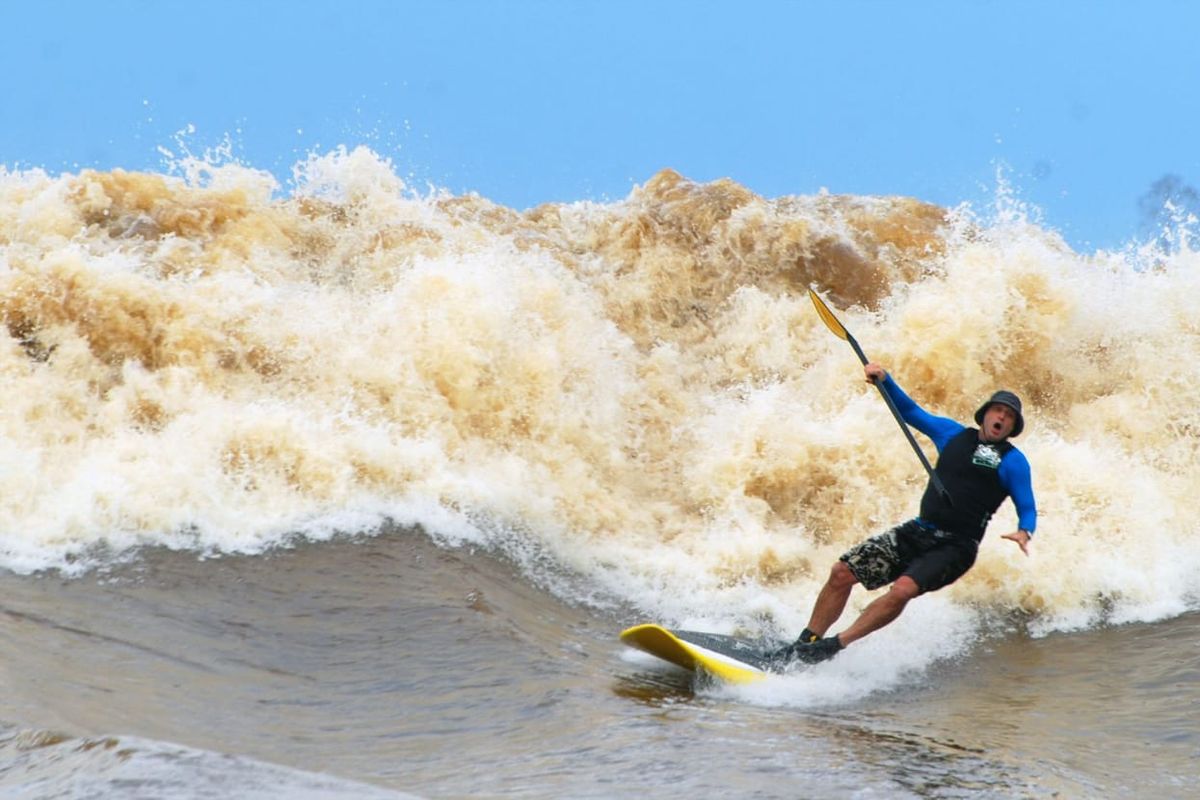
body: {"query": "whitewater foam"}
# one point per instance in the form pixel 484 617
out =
pixel 635 394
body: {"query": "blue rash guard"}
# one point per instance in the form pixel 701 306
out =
pixel 977 475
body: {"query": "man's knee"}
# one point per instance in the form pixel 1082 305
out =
pixel 841 576
pixel 905 587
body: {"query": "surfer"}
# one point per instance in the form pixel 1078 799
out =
pixel 979 468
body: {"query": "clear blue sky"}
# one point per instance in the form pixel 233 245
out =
pixel 1087 104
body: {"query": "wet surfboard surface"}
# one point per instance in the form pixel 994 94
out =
pixel 726 657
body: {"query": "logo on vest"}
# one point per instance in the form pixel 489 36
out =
pixel 986 456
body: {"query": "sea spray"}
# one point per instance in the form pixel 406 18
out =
pixel 636 392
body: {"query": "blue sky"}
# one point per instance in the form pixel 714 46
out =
pixel 1084 105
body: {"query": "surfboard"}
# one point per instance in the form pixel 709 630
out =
pixel 726 657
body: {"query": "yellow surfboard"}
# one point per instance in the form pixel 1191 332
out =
pixel 725 657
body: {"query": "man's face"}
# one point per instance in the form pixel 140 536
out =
pixel 998 422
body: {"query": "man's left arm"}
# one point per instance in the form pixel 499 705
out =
pixel 1016 477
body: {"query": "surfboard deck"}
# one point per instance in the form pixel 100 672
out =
pixel 726 657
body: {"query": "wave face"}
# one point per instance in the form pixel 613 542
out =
pixel 637 394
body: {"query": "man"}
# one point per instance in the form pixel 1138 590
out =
pixel 979 468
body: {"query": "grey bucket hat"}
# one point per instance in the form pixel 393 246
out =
pixel 1004 398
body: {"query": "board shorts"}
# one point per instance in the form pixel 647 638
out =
pixel 931 557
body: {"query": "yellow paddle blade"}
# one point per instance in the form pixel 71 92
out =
pixel 830 320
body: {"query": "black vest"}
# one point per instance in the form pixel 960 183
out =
pixel 970 470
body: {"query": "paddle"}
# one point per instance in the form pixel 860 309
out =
pixel 839 330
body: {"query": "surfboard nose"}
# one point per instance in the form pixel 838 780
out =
pixel 725 657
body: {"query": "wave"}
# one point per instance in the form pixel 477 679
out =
pixel 637 393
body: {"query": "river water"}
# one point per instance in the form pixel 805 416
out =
pixel 393 662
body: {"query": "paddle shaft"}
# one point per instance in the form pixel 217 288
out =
pixel 933 476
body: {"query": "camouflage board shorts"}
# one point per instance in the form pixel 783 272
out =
pixel 932 558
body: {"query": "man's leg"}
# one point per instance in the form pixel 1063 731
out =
pixel 831 601
pixel 882 610
pixel 876 561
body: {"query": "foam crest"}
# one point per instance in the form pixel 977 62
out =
pixel 637 392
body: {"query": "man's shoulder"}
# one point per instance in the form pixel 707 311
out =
pixel 1015 453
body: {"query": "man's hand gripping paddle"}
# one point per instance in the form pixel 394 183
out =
pixel 840 331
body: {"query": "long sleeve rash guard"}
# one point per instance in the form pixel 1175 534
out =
pixel 1014 473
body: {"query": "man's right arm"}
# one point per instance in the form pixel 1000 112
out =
pixel 940 429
